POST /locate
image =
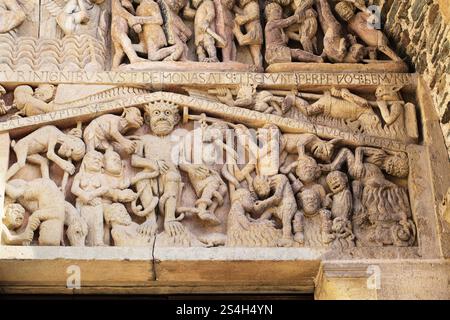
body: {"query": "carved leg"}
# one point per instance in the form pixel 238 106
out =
pixel 304 56
pixel 389 52
pixel 326 223
pixel 21 154
pixel 307 44
pixel 201 53
pixel 255 51
pixel 210 47
pixel 119 54
pixel 299 226
pixel 42 162
pixel 286 219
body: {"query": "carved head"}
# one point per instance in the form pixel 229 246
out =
pixel 133 117
pixel 307 169
pixel 116 213
pixel 310 200
pixel 45 92
pixel 388 93
pixel 77 232
pixel 112 162
pixel 14 215
pixel 176 5
pixel 337 181
pixel 92 162
pixel 345 10
pixel 72 147
pixel 340 225
pixel 355 53
pixel 261 184
pixel 163 117
pixel 244 197
pixel 273 11
pixel 396 165
pixel 20 93
pixel 242 3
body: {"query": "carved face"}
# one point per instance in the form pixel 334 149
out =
pixel 163 117
pixel 45 92
pixel 93 161
pixel 133 117
pixel 337 181
pixel 388 93
pixel 273 11
pixel 73 148
pixel 113 162
pixel 176 5
pixel 14 215
pixel 307 169
pixel 262 186
pixel 310 201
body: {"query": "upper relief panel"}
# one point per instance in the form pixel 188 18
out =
pixel 192 35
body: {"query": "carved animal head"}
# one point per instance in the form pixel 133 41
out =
pixel 14 215
pixel 45 92
pixel 388 93
pixel 337 181
pixel 163 117
pixel 77 232
pixel 117 213
pixel 244 197
pixel 133 117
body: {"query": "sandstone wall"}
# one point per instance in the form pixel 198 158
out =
pixel 420 29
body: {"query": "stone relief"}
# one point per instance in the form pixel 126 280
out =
pixel 185 35
pixel 158 173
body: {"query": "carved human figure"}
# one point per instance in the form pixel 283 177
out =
pixel 305 31
pixel 399 117
pixel 359 24
pixel 277 198
pixel 11 15
pixel 177 31
pixel 245 231
pixel 46 203
pixel 277 50
pixel 45 140
pixel 123 19
pixel 262 101
pixel 31 103
pixel 335 43
pixel 205 30
pixel 248 17
pixel 207 182
pixel 225 28
pixel 89 186
pixel 124 231
pixel 342 104
pixel 341 200
pixel 81 17
pixel 99 134
pixel 379 202
pixel 153 40
pixel 307 171
pixel 155 155
pixel 13 218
